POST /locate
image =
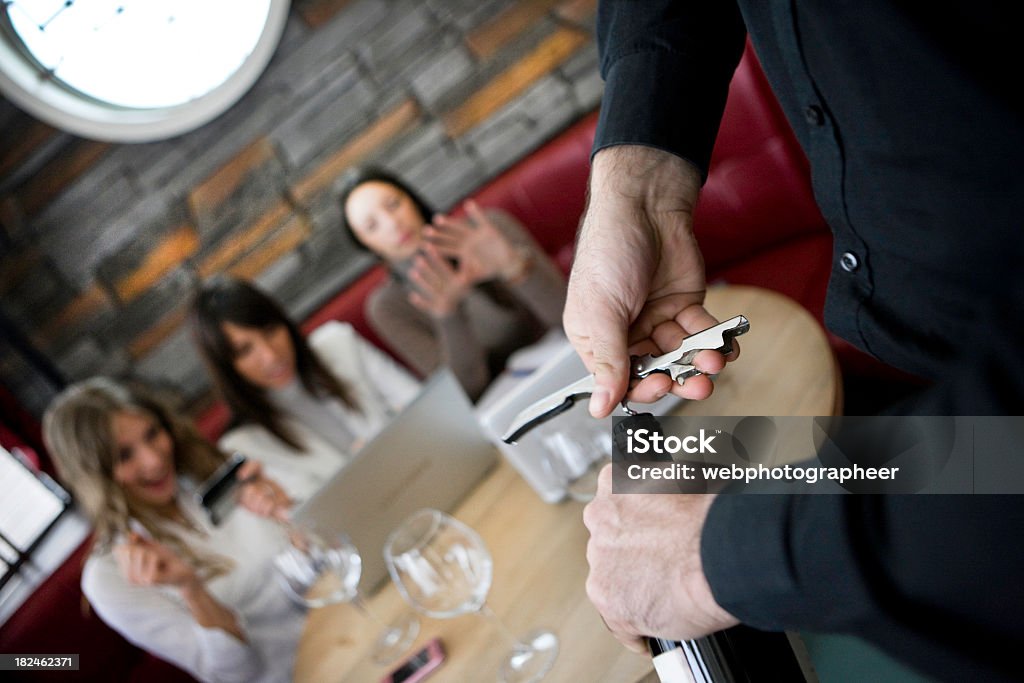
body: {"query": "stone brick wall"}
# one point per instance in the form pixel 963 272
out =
pixel 101 244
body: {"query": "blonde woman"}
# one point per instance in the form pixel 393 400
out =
pixel 159 573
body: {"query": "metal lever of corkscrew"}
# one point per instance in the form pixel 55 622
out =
pixel 677 364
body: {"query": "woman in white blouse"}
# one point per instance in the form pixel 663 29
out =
pixel 198 595
pixel 302 406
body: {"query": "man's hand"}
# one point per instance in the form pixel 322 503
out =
pixel 637 283
pixel 645 570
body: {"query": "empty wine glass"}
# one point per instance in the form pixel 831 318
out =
pixel 443 569
pixel 321 569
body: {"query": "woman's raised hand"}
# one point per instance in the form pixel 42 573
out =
pixel 439 286
pixel 145 562
pixel 481 249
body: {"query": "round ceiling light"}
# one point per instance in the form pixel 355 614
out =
pixel 134 70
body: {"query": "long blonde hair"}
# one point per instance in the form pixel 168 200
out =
pixel 77 431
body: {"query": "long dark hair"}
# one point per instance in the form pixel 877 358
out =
pixel 358 175
pixel 224 299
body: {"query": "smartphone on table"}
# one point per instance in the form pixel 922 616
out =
pixel 419 666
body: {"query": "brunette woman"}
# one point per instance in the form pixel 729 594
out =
pixel 463 293
pixel 302 406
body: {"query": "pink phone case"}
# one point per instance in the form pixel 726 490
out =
pixel 426 662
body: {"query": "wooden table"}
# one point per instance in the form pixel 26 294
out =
pixel 786 368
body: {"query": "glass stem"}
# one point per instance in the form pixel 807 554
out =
pixel 360 604
pixel 486 611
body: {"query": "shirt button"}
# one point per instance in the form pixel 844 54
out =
pixel 849 262
pixel 814 115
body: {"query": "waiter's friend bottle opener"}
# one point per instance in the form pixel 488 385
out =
pixel 677 364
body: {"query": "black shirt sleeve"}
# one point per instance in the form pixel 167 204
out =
pixel 667 67
pixel 934 580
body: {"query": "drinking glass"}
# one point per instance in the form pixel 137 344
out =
pixel 443 569
pixel 574 459
pixel 321 569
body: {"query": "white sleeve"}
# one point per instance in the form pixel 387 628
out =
pixel 153 621
pixel 391 381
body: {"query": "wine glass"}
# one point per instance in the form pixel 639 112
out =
pixel 321 569
pixel 443 569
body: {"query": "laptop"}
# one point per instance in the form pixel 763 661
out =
pixel 432 454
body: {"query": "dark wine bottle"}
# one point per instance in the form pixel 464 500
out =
pixel 676 662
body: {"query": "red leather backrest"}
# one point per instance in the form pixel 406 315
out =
pixel 348 305
pixel 213 421
pixel 757 194
pixel 758 191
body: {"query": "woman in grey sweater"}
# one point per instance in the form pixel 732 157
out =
pixel 464 292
